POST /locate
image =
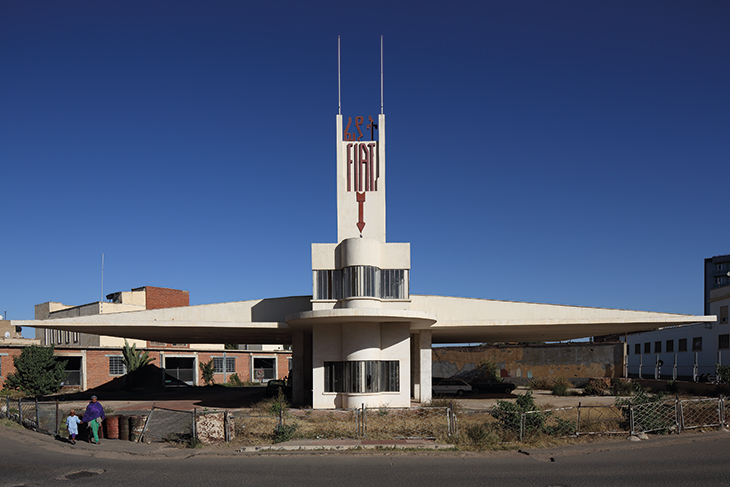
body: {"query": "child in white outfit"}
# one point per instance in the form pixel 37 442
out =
pixel 72 423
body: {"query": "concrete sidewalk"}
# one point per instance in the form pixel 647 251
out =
pixel 349 444
pixel 114 448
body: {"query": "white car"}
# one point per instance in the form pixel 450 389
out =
pixel 450 386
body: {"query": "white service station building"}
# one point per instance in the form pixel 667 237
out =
pixel 361 338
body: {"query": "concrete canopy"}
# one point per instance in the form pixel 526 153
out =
pixel 450 320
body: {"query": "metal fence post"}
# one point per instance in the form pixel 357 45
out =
pixel 58 426
pixel 226 425
pixel 577 424
pixel 721 407
pixel 522 426
pixel 37 421
pixel 195 432
pixel 364 420
pixel 679 417
pixel 20 411
pixel 631 419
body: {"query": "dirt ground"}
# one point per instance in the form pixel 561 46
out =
pixel 221 397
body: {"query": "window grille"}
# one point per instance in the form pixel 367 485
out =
pixel 116 366
pixel 221 367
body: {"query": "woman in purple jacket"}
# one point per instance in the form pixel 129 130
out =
pixel 93 417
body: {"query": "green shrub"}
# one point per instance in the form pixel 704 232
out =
pixel 37 372
pixel 622 387
pixel 480 436
pixel 207 369
pixel 234 380
pixel 541 384
pixel 723 374
pixel 507 413
pixel 285 432
pixel 597 387
pixel 489 369
pixel 560 386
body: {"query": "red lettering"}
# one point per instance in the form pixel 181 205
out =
pixel 349 166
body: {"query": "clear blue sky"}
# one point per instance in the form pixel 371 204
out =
pixel 562 152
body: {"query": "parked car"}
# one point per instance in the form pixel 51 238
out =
pixel 490 384
pixel 450 386
pixel 275 385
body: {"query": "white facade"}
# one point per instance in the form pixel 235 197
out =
pixel 683 352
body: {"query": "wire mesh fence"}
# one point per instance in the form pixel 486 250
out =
pixel 699 413
pixel 169 425
pixel 402 423
pixel 448 424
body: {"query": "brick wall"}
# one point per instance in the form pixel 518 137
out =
pixel 576 362
pixel 162 297
pixel 7 354
pixel 96 364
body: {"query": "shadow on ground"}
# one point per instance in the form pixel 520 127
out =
pixel 216 396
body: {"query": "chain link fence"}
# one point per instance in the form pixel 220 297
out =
pixel 448 424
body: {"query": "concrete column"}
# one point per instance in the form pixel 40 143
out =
pixel 415 366
pixel 424 346
pixel 297 370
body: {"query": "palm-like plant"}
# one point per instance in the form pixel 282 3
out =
pixel 133 358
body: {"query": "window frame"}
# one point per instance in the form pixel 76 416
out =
pixel 222 365
pixel 362 376
pixel 116 363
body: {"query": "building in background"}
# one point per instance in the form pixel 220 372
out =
pixel 95 360
pixel 717 275
pixel 687 352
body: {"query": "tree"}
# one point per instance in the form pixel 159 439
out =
pixel 133 358
pixel 37 372
pixel 134 361
pixel 208 369
pixel 723 374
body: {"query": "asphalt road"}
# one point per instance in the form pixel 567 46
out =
pixel 28 458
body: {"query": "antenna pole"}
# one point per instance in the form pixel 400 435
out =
pixel 102 277
pixel 381 74
pixel 339 92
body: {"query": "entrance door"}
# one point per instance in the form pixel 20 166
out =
pixel 264 369
pixel 179 371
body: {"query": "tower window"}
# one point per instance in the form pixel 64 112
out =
pixel 361 281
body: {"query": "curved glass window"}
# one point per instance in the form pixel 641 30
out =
pixel 362 376
pixel 361 281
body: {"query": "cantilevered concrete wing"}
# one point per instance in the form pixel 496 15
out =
pixel 450 320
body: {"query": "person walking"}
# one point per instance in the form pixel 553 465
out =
pixel 93 417
pixel 72 424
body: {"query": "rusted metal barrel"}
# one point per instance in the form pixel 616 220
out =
pixel 111 427
pixel 124 428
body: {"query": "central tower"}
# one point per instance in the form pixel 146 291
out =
pixel 361 319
